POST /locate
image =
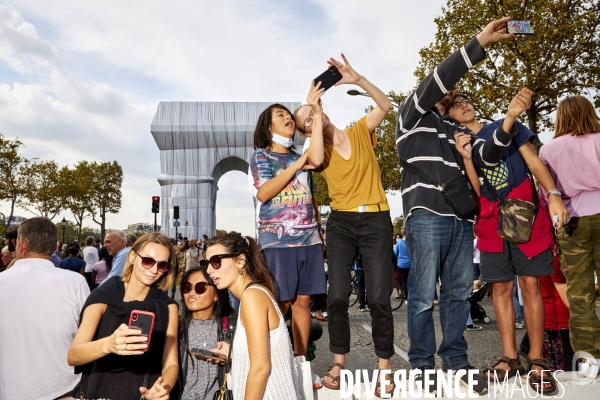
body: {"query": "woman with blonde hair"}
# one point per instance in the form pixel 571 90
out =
pixel 573 158
pixel 117 361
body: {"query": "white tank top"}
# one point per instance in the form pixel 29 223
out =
pixel 282 382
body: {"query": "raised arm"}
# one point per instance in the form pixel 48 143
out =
pixel 464 147
pixel 316 152
pixel 445 75
pixel 271 187
pixel 382 102
pixel 488 153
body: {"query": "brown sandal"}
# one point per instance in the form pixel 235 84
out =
pixel 378 386
pixel 334 378
pixel 535 381
pixel 514 365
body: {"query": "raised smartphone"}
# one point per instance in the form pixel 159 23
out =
pixel 329 78
pixel 144 321
pixel 520 27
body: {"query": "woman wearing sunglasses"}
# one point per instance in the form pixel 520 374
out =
pixel 261 353
pixel 287 226
pixel 114 359
pixel 206 324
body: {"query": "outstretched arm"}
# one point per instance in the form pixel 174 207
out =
pixel 444 76
pixel 489 153
pixel 383 103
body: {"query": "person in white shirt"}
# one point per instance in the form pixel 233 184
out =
pixel 192 256
pixel 38 322
pixel 90 256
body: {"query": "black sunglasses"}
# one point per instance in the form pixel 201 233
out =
pixel 199 287
pixel 148 262
pixel 215 260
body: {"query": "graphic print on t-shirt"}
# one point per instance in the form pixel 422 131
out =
pixel 498 176
pixel 288 219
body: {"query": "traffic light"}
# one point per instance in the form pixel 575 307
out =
pixel 155 204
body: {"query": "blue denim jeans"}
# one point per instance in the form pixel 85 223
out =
pixel 438 246
pixel 519 316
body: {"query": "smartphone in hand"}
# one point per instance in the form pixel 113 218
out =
pixel 519 27
pixel 329 78
pixel 144 321
pixel 208 355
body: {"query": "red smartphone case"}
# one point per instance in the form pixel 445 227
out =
pixel 143 320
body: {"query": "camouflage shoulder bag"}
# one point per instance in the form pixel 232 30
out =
pixel 515 216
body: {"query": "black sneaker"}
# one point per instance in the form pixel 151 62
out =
pixel 480 384
pixel 432 387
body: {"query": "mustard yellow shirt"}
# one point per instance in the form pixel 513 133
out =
pixel 356 181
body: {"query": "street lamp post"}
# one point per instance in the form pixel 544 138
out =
pixel 354 92
pixel 64 226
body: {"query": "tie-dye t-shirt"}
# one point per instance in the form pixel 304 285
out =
pixel 288 219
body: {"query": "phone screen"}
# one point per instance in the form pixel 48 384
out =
pixel 329 78
pixel 520 27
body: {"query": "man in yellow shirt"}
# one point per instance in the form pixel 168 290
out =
pixel 360 220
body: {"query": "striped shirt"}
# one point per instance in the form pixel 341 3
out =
pixel 422 140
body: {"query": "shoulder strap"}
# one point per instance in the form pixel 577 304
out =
pixel 440 127
pixel 416 171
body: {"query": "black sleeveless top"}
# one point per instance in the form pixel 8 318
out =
pixel 118 377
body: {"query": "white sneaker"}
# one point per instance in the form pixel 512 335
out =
pixel 589 367
pixel 519 325
pixel 324 314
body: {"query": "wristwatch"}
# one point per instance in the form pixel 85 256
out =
pixel 553 191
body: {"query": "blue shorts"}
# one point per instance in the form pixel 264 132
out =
pixel 296 270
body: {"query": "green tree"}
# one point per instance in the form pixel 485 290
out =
pixel 12 165
pixel 106 182
pixel 76 189
pixel 322 193
pixel 220 232
pixel 398 225
pixel 41 189
pixel 561 59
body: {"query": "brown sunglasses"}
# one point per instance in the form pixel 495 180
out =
pixel 215 260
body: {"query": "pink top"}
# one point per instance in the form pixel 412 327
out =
pixel 101 272
pixel 574 163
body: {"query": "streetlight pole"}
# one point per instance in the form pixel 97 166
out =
pixel 354 92
pixel 64 226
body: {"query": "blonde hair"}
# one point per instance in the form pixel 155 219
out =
pixel 576 115
pixel 165 282
pixel 299 128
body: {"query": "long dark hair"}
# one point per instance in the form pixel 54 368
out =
pixel 221 308
pixel 263 137
pixel 256 268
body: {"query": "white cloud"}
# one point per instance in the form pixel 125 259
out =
pixel 89 74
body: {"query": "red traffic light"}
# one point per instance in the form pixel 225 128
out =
pixel 155 199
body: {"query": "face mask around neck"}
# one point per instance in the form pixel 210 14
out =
pixel 282 140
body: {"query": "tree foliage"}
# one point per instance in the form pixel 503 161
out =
pixel 106 182
pixel 12 164
pixel 77 190
pixel 41 189
pixel 560 59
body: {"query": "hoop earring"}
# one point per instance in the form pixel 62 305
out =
pixel 241 271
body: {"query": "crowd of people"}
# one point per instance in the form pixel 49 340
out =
pixel 71 335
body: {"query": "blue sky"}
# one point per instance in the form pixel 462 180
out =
pixel 82 79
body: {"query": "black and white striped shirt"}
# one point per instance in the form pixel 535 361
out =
pixel 421 137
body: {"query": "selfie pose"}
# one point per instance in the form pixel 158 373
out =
pixel 288 232
pixel 120 362
pixel 360 218
pixel 205 331
pixel 524 250
pixel 262 359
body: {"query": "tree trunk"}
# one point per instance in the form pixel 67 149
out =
pixel 532 117
pixel 12 209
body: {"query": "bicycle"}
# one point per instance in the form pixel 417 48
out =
pixel 395 301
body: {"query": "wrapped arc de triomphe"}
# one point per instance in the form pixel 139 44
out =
pixel 199 142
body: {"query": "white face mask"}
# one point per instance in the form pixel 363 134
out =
pixel 282 140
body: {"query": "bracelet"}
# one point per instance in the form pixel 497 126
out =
pixel 553 191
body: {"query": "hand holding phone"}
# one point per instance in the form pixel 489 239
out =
pixel 328 78
pixel 207 355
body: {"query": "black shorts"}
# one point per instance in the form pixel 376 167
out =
pixel 502 267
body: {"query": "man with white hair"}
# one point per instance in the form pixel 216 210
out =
pixel 115 242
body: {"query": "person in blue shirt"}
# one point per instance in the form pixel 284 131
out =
pixel 115 243
pixel 72 263
pixel 403 263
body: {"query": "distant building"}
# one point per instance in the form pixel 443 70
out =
pixel 16 220
pixel 140 228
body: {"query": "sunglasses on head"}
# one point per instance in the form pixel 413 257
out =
pixel 215 260
pixel 148 262
pixel 199 287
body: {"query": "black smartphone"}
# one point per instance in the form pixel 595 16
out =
pixel 520 27
pixel 329 78
pixel 144 321
pixel 208 355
